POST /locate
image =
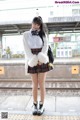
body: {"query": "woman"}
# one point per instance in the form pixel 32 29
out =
pixel 37 62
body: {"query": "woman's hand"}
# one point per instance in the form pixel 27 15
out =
pixel 39 63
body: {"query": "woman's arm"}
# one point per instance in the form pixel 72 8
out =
pixel 33 60
pixel 42 56
pixel 27 49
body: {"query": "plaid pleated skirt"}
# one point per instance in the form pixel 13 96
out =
pixel 39 68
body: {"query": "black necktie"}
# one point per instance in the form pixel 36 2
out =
pixel 35 32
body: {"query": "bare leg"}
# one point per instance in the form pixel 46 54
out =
pixel 41 82
pixel 35 86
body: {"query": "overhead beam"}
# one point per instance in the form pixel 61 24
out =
pixel 20 28
pixel 17 28
pixel 77 24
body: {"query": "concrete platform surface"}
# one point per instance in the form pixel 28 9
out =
pixel 54 105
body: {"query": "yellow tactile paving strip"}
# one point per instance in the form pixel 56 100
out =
pixel 43 117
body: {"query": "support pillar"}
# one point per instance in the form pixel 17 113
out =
pixel 0 45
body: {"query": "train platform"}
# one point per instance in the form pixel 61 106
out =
pixel 19 107
pixel 62 100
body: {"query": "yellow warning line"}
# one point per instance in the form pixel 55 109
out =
pixel 43 117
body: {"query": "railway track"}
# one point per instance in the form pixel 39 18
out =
pixel 61 87
pixel 49 84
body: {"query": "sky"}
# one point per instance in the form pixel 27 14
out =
pixel 10 4
pixel 15 43
pixel 25 10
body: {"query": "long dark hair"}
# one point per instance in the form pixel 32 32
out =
pixel 38 20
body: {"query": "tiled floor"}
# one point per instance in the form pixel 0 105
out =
pixel 43 117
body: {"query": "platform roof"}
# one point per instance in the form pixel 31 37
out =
pixel 54 24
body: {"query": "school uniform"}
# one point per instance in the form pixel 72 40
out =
pixel 35 51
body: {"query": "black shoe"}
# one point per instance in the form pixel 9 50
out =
pixel 34 109
pixel 41 109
